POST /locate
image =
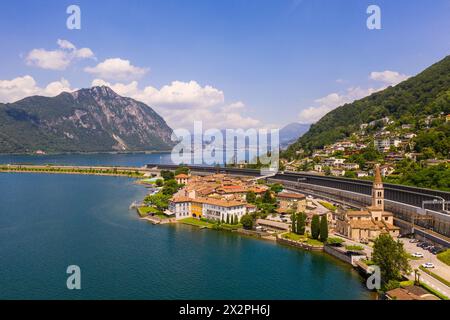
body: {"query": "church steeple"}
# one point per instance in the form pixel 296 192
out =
pixel 378 190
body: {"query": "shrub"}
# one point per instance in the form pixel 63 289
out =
pixel 315 227
pixel 247 222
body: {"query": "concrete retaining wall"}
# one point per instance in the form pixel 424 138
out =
pixel 335 252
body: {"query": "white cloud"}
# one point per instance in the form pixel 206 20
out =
pixel 330 102
pixel 64 44
pixel 389 77
pixel 58 59
pixel 116 69
pixel 21 87
pixel 182 103
pixel 333 100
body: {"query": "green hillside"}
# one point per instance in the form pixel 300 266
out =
pixel 428 93
pixel 88 120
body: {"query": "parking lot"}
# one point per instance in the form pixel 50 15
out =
pixel 440 268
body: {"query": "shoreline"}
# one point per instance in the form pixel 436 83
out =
pixel 74 170
pixel 84 153
pixel 241 233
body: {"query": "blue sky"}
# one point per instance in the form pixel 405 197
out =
pixel 230 63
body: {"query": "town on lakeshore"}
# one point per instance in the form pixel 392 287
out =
pixel 269 209
pixel 402 146
pixel 225 150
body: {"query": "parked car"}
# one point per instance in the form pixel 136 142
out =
pixel 436 250
pixel 417 255
pixel 428 265
pixel 419 243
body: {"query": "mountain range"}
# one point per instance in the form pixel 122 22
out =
pixel 88 120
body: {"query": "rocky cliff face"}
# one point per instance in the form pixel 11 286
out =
pixel 88 120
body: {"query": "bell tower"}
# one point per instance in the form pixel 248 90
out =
pixel 378 190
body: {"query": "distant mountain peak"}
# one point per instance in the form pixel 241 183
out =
pixel 86 120
pixel 96 91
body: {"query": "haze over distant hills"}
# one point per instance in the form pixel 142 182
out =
pixel 428 93
pixel 87 120
pixel 291 132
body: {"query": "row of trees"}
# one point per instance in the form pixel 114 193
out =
pixel 233 220
pixel 298 223
pixel 319 228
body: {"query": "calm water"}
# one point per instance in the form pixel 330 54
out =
pixel 128 159
pixel 48 222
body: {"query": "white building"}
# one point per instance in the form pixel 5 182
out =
pixel 180 206
pixel 182 178
pixel 220 210
pixel 385 143
pixel 362 174
pixel 337 172
pixel 350 166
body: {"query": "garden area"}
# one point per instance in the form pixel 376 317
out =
pixel 444 257
pixel 302 238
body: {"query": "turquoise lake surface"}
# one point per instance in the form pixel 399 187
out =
pixel 48 222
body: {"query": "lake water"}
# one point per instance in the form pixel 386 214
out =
pixel 48 222
pixel 107 159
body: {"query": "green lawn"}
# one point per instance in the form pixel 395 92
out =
pixel 327 205
pixel 145 211
pixel 302 238
pixel 294 236
pixel 197 223
pixel 406 283
pixel 314 242
pixel 434 275
pixel 368 262
pixel 445 257
pixel 354 248
pixel 436 293
pixel 411 257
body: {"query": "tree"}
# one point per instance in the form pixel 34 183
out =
pixel 247 222
pixel 170 187
pixel 267 197
pixel 294 223
pixel 315 227
pixel 350 174
pixel 276 187
pixel 236 219
pixel 167 175
pixel 323 228
pixel 301 223
pixel 159 183
pixel 159 200
pixel 182 170
pixel 228 219
pixel 250 197
pixel 391 257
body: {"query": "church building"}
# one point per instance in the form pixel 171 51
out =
pixel 368 224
